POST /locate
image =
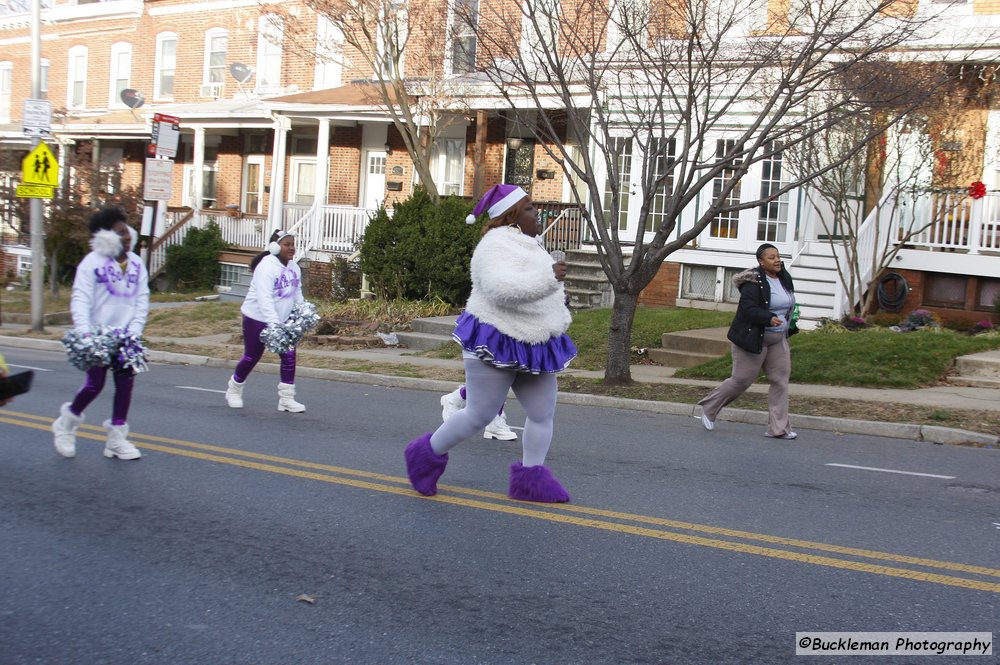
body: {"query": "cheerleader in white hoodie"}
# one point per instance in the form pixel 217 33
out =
pixel 275 288
pixel 513 336
pixel 111 288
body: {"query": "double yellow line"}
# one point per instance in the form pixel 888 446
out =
pixel 979 578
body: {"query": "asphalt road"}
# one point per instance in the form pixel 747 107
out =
pixel 680 545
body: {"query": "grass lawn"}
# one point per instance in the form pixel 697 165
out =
pixel 871 358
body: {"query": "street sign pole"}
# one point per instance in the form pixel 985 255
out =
pixel 37 225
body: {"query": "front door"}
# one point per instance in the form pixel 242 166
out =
pixel 303 180
pixel 374 183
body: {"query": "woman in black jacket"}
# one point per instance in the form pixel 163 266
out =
pixel 759 334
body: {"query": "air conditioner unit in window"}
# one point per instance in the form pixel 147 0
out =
pixel 211 90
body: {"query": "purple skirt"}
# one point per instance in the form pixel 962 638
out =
pixel 504 352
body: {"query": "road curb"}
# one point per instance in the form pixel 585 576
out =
pixel 926 433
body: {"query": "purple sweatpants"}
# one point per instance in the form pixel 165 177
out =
pixel 92 387
pixel 253 349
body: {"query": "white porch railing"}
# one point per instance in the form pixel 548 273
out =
pixel 871 242
pixel 953 221
pixel 936 221
pixel 241 231
pixel 564 230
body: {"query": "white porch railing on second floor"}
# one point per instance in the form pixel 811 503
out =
pixel 872 239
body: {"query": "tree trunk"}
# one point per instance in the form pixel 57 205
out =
pixel 618 371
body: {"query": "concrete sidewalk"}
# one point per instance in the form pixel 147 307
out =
pixel 953 397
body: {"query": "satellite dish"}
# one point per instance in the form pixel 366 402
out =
pixel 240 72
pixel 132 98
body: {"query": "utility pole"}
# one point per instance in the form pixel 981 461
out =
pixel 37 225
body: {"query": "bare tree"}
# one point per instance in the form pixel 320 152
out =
pixel 399 49
pixel 866 202
pixel 668 105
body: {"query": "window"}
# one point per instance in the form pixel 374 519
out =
pixel 941 290
pixel 448 164
pixel 772 220
pixel 329 55
pixel 465 16
pixel 662 159
pixel 76 83
pixel 698 282
pixel 166 65
pixel 627 21
pixel 121 73
pixel 989 292
pixel 270 35
pixel 109 172
pixel 6 85
pixel 229 273
pixel 726 224
pixel 539 30
pixel 621 148
pixel 23 266
pixel 216 46
pixel 253 184
pixel 393 31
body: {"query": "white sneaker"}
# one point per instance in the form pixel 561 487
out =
pixel 498 429
pixel 709 424
pixel 451 403
pixel 787 435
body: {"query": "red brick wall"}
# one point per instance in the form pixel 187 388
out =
pixel 663 289
pixel 968 313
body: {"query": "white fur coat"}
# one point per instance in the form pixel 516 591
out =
pixel 514 288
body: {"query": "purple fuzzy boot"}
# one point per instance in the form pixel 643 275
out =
pixel 423 465
pixel 535 483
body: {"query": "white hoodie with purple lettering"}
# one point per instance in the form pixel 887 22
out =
pixel 274 290
pixel 107 294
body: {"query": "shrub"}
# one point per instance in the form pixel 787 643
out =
pixel 194 264
pixel 422 250
pixel 346 279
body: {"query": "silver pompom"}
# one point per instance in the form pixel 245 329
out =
pixel 283 337
pixel 105 347
pixel 87 350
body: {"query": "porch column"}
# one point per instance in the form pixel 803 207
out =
pixel 198 186
pixel 276 202
pixel 479 156
pixel 322 185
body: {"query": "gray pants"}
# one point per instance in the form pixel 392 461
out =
pixel 775 359
pixel 486 390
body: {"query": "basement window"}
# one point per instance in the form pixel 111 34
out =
pixel 942 290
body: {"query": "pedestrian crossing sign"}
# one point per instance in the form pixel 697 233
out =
pixel 40 167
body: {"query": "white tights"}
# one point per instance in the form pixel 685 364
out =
pixel 486 389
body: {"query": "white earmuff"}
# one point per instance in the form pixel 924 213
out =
pixel 274 248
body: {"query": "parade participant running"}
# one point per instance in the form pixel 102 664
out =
pixel 110 289
pixel 276 287
pixel 512 334
pixel 759 334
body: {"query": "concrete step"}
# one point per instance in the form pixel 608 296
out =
pixel 423 341
pixel 974 381
pixel 707 341
pixel 679 358
pixel 434 325
pixel 985 365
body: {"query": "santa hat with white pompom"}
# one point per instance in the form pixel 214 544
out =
pixel 497 200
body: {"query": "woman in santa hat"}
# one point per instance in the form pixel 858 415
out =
pixel 513 336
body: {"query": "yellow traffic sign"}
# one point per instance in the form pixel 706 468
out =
pixel 40 167
pixel 34 192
